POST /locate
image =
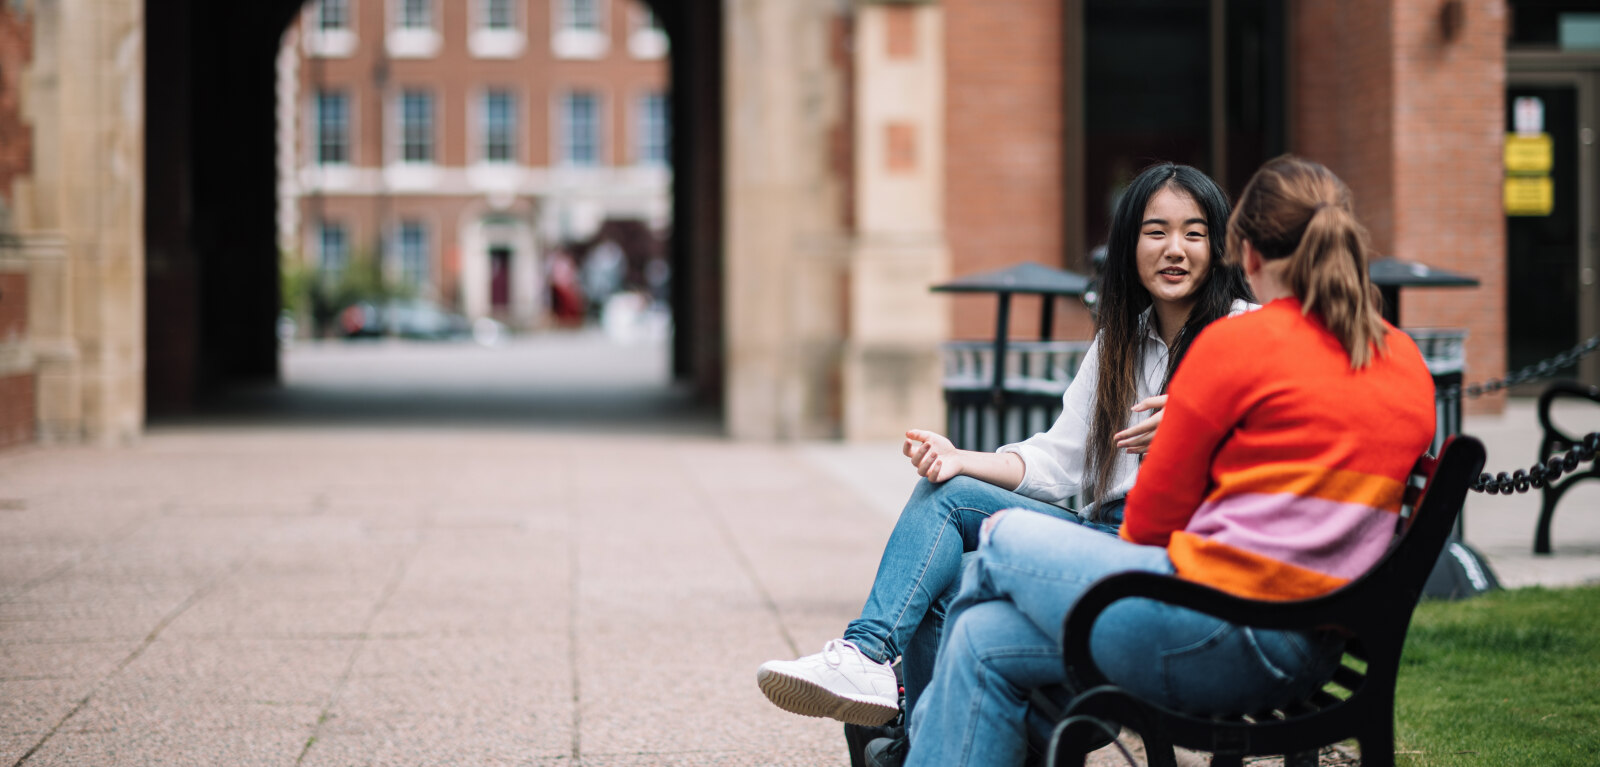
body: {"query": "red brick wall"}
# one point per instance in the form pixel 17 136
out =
pixel 16 138
pixel 16 159
pixel 16 410
pixel 13 306
pixel 16 390
pixel 1413 123
pixel 456 79
pixel 1449 132
pixel 1342 100
pixel 1004 187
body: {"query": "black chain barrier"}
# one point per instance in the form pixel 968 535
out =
pixel 1540 474
pixel 1534 372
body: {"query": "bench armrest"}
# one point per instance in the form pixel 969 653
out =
pixel 1298 615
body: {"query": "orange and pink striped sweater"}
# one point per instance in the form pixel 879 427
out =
pixel 1277 471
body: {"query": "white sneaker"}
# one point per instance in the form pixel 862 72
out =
pixel 838 682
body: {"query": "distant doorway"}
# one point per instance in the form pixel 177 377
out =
pixel 499 280
pixel 1552 290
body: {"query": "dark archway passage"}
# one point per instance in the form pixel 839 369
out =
pixel 212 263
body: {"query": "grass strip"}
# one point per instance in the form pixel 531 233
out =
pixel 1507 678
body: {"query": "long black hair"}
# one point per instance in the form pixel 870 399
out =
pixel 1122 321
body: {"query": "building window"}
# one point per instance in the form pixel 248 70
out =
pixel 495 32
pixel 416 14
pixel 328 32
pixel 413 35
pixel 580 15
pixel 416 126
pixel 333 249
pixel 499 127
pixel 333 128
pixel 497 14
pixel 413 251
pixel 333 14
pixel 646 39
pixel 579 30
pixel 581 129
pixel 653 129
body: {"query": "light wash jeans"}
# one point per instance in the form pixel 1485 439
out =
pixel 919 574
pixel 1005 639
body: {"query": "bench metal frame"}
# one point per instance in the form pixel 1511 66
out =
pixel 1373 612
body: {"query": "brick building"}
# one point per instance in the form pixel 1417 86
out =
pixel 457 143
pixel 829 162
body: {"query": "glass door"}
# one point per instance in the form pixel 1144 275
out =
pixel 1552 290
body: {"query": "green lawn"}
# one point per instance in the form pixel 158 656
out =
pixel 1509 678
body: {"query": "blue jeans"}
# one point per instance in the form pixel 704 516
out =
pixel 920 571
pixel 1005 640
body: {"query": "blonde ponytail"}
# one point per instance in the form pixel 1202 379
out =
pixel 1298 211
pixel 1328 273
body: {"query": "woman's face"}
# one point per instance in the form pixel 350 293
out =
pixel 1174 250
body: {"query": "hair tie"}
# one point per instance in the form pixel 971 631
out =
pixel 1315 209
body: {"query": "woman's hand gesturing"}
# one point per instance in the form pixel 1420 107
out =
pixel 935 456
pixel 1136 439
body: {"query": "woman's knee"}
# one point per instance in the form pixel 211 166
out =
pixel 962 500
pixel 941 493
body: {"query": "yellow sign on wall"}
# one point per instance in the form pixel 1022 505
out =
pixel 1529 153
pixel 1529 195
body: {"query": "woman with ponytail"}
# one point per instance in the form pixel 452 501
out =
pixel 1277 474
pixel 1164 280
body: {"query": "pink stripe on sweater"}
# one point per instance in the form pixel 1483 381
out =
pixel 1339 539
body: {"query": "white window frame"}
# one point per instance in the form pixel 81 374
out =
pixel 413 42
pixel 563 155
pixel 646 38
pixel 572 42
pixel 316 132
pixel 419 277
pixel 481 126
pixel 399 173
pixel 486 42
pixel 327 270
pixel 642 139
pixel 332 42
pixel 401 139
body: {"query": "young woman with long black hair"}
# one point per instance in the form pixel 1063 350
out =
pixel 1163 281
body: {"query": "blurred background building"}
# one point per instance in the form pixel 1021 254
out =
pixel 829 161
pixel 447 147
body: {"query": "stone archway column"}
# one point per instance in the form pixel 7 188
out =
pixel 830 327
pixel 86 104
pixel 786 246
pixel 892 368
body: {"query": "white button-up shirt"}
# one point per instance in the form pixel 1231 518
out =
pixel 1054 461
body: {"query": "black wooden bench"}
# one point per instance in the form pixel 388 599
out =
pixel 1557 441
pixel 1373 612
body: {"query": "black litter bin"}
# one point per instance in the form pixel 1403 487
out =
pixel 1002 391
pixel 1461 571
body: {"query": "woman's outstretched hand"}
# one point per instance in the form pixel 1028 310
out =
pixel 1136 439
pixel 934 455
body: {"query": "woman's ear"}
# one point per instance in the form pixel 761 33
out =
pixel 1252 258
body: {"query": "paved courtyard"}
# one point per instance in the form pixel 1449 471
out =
pixel 539 554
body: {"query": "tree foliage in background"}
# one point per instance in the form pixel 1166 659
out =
pixel 312 293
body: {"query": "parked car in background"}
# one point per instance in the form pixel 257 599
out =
pixel 413 318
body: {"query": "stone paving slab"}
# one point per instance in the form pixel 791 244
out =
pixel 247 591
pixel 518 589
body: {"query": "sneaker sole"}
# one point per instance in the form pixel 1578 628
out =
pixel 798 696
